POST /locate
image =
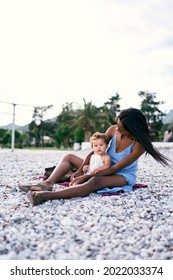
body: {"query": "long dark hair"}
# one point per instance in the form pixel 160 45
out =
pixel 134 121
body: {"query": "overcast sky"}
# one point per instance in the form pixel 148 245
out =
pixel 58 51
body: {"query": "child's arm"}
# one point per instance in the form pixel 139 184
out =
pixel 85 168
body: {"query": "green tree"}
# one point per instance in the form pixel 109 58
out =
pixel 67 113
pixel 154 116
pixel 63 135
pixel 7 139
pixel 35 133
pixel 26 139
pixel 37 126
pixel 78 135
pixel 2 134
pixel 113 107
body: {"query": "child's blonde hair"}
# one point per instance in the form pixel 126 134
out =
pixel 99 135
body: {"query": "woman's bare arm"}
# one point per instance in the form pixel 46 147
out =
pixel 138 150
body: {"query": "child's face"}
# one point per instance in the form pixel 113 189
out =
pixel 99 146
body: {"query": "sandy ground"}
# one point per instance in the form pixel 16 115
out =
pixel 136 225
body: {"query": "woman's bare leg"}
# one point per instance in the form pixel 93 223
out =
pixel 81 190
pixel 62 169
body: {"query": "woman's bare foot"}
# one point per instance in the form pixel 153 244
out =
pixel 41 187
pixel 38 187
pixel 35 198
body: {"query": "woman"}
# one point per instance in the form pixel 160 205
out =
pixel 129 140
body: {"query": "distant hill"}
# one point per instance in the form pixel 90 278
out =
pixel 23 128
pixel 168 118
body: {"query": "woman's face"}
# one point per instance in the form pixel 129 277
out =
pixel 122 130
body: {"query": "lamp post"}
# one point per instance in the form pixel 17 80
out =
pixel 13 122
pixel 37 119
pixel 13 128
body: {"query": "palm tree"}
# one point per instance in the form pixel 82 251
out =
pixel 90 119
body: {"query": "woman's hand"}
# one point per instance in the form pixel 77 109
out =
pixel 79 180
pixel 76 174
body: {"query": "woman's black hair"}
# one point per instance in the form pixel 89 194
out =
pixel 134 121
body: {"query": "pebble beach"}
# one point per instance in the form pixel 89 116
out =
pixel 129 226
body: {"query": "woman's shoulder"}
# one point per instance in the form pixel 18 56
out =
pixel 111 131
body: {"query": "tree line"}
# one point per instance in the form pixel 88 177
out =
pixel 77 123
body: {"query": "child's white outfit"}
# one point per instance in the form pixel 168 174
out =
pixel 95 161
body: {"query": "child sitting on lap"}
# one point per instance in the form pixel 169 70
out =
pixel 99 160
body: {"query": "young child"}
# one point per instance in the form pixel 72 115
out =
pixel 99 159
